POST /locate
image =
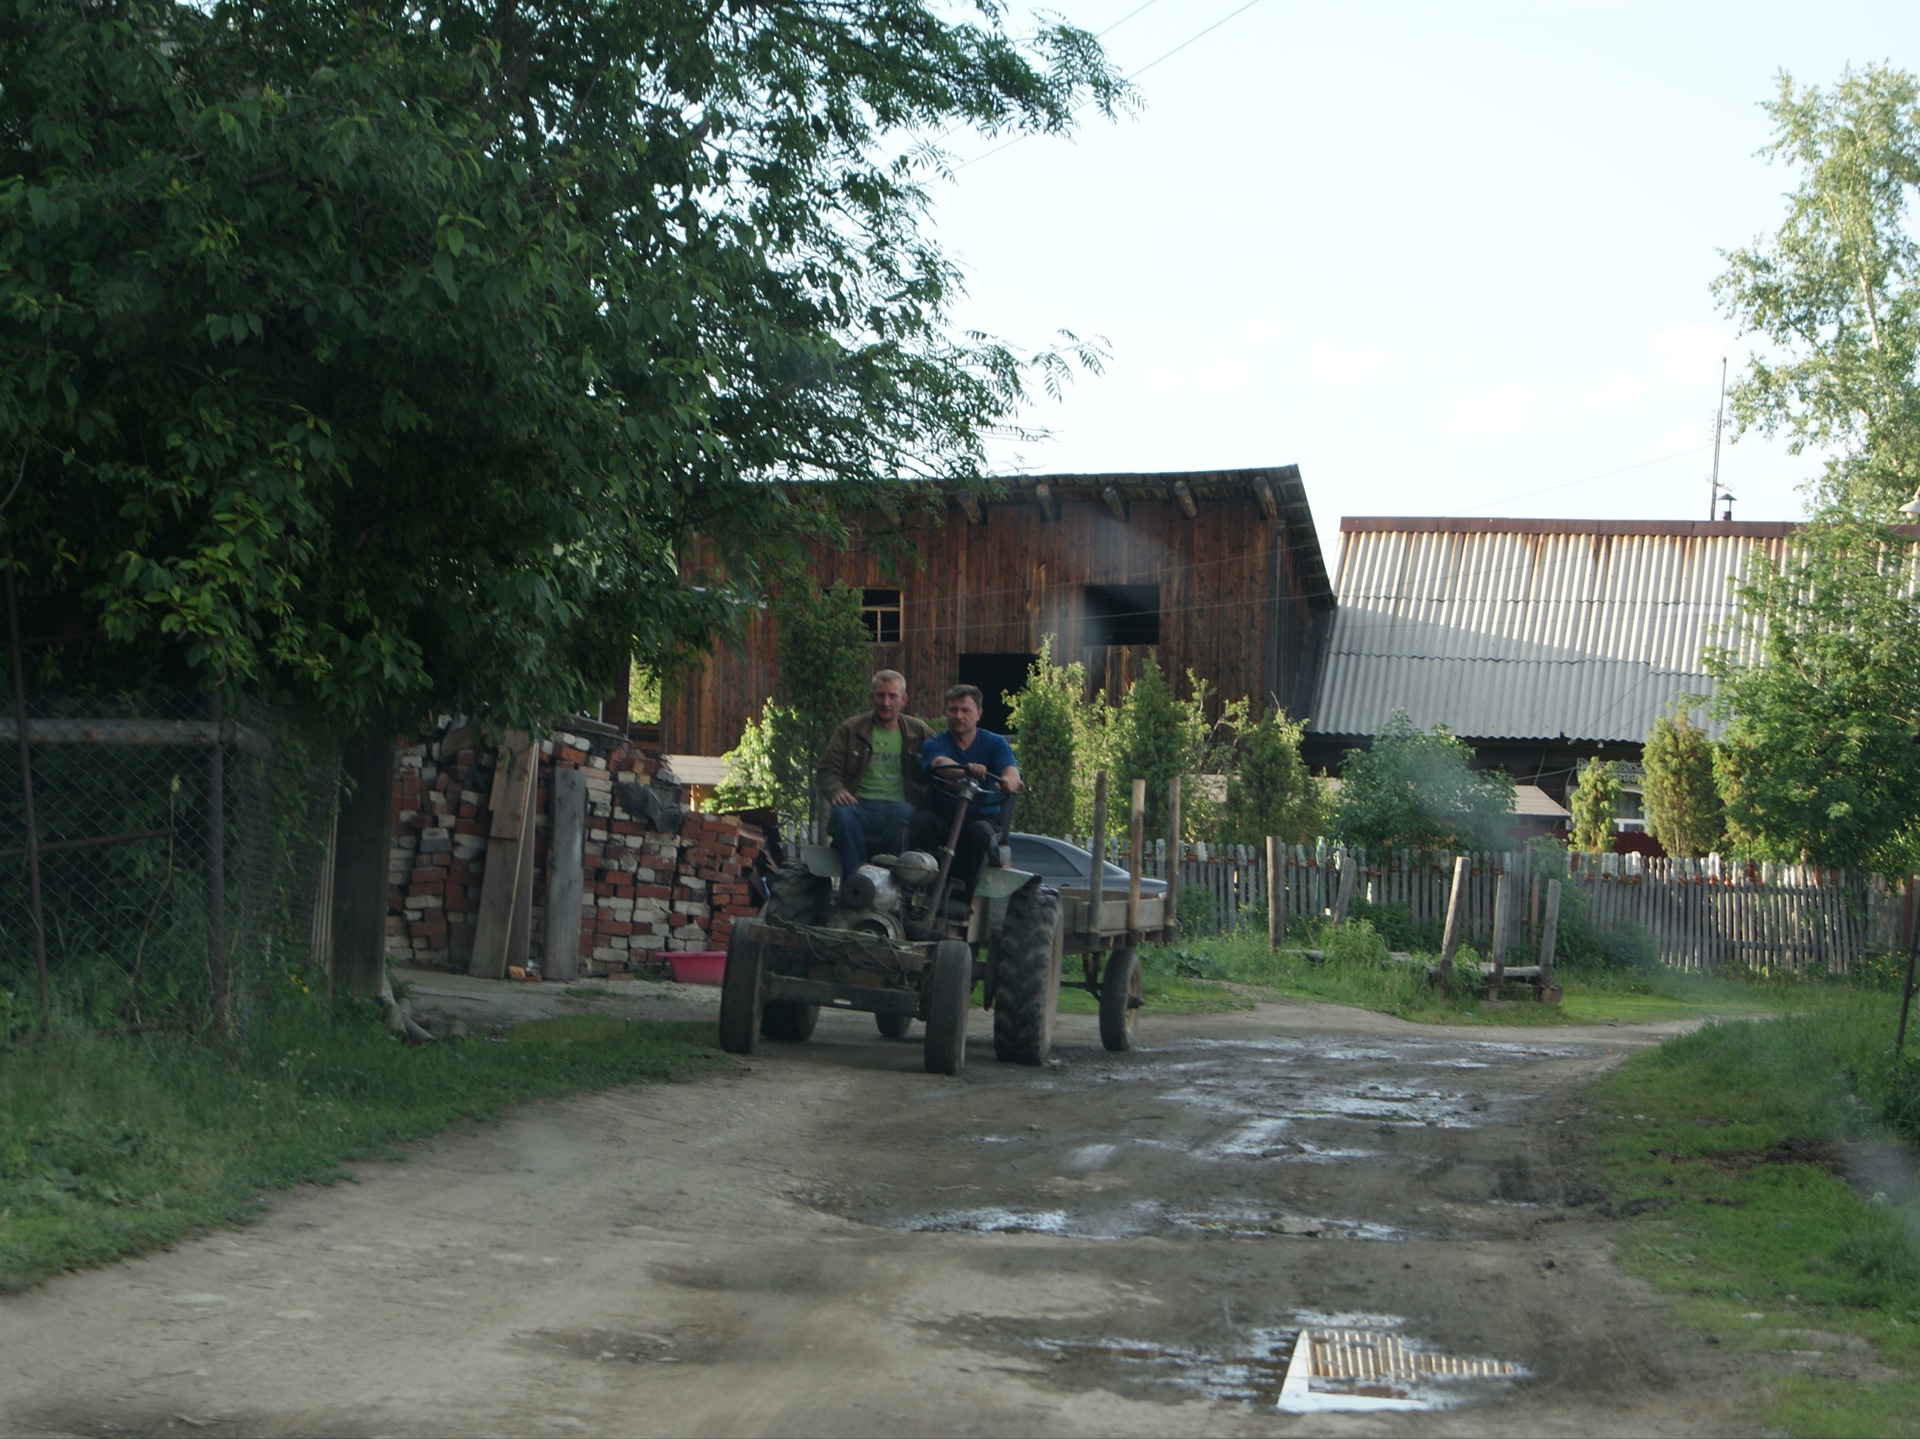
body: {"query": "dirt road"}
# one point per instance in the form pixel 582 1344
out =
pixel 828 1241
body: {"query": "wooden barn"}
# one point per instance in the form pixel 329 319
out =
pixel 1217 571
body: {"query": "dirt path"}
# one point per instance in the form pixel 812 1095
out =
pixel 828 1241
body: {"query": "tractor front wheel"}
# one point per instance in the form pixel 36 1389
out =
pixel 950 988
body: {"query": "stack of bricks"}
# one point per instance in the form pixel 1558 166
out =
pixel 717 855
pixel 645 892
pixel 439 839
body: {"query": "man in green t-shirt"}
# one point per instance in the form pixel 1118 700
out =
pixel 870 775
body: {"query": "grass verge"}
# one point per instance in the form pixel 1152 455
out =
pixel 1773 1197
pixel 1240 963
pixel 109 1146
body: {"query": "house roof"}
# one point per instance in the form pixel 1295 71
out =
pixel 1530 629
pixel 1278 489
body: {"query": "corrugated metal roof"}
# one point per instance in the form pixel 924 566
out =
pixel 1529 629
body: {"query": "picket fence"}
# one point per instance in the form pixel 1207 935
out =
pixel 1702 913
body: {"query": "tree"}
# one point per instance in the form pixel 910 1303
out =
pixel 1820 760
pixel 1042 712
pixel 1678 791
pixel 1417 789
pixel 821 649
pixel 1837 289
pixel 378 354
pixel 1593 805
pixel 1270 791
pixel 1154 735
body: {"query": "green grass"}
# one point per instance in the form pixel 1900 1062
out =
pixel 1241 964
pixel 109 1146
pixel 1724 1144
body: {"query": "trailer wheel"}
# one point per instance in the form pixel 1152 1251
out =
pixel 1027 974
pixel 951 987
pixel 893 1026
pixel 740 992
pixel 788 1019
pixel 1120 1000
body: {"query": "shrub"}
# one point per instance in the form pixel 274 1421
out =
pixel 1355 943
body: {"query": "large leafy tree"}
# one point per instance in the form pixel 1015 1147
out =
pixel 1417 789
pixel 1836 290
pixel 1820 760
pixel 373 354
pixel 823 675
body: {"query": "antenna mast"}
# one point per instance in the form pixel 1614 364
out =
pixel 1719 415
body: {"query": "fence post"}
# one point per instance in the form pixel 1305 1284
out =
pixel 1097 844
pixel 1500 922
pixel 217 868
pixel 1136 831
pixel 1349 876
pixel 1548 933
pixel 1170 871
pixel 1450 940
pixel 1276 896
pixel 26 793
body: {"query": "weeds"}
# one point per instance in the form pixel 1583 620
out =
pixel 112 1145
pixel 1783 1202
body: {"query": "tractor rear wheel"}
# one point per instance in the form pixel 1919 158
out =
pixel 950 988
pixel 1120 1000
pixel 1027 976
pixel 893 1026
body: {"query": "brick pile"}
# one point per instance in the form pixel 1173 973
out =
pixel 646 891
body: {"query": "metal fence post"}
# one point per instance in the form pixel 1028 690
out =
pixel 217 869
pixel 26 793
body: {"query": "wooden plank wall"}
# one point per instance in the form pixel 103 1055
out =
pixel 998 586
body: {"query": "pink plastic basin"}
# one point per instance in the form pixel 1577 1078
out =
pixel 700 966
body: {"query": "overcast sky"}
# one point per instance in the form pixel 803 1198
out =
pixel 1450 259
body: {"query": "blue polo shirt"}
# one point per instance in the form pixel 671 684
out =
pixel 987 748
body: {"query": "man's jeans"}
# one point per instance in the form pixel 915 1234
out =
pixel 867 827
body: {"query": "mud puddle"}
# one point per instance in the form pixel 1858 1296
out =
pixel 1315 1362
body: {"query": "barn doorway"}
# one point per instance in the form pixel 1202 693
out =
pixel 996 675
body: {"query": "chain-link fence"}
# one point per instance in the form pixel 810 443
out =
pixel 163 859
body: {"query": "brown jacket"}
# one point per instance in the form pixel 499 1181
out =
pixel 847 753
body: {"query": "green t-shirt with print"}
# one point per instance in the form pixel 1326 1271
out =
pixel 881 782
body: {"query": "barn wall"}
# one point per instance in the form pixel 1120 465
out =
pixel 1231 603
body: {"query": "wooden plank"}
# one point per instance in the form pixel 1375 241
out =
pixel 520 933
pixel 1349 879
pixel 1097 841
pixel 1455 916
pixel 1136 831
pixel 566 874
pixel 499 886
pixel 1500 908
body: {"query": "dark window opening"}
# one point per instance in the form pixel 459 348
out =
pixel 880 609
pixel 996 675
pixel 1123 615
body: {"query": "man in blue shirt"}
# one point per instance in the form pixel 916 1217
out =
pixel 965 749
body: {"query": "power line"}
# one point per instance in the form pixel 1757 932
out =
pixel 1168 55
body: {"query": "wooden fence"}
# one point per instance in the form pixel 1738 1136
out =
pixel 1701 913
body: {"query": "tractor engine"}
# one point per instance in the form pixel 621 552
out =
pixel 873 897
